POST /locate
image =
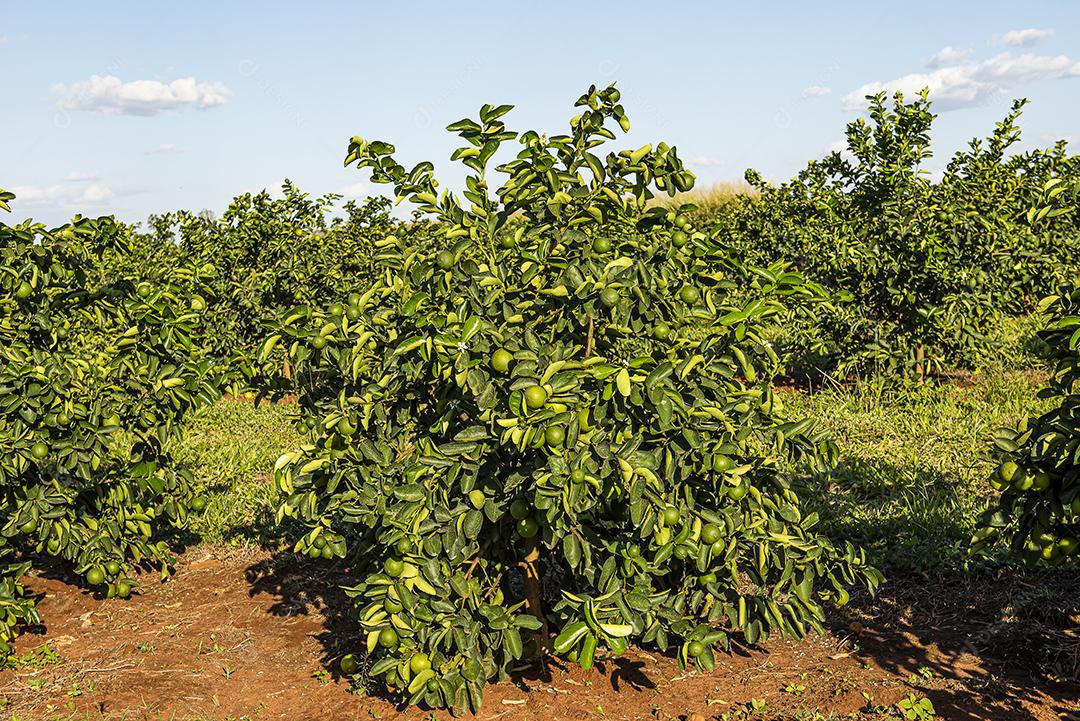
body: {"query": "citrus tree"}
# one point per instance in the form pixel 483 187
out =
pixel 551 427
pixel 94 383
pixel 265 254
pixel 1038 509
pixel 929 266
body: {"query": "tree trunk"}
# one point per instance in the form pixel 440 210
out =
pixel 920 357
pixel 534 605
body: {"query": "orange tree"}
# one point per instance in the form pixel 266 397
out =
pixel 930 267
pixel 1037 476
pixel 94 383
pixel 554 419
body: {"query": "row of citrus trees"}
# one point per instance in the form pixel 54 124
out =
pixel 542 422
pixel 929 267
pixel 95 381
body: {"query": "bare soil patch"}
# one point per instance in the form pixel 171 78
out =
pixel 229 637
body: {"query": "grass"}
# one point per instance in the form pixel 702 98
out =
pixel 911 481
pixel 232 447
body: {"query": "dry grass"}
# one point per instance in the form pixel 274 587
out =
pixel 712 196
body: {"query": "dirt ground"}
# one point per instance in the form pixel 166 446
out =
pixel 249 638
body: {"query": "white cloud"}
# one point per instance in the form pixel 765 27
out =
pixel 705 161
pixel 109 95
pixel 164 149
pixel 836 146
pixel 76 177
pixel 972 82
pixel 1029 36
pixel 356 190
pixel 62 195
pixel 815 91
pixel 948 55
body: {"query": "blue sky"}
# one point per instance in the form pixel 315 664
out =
pixel 136 107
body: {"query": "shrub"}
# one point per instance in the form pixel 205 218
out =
pixel 1038 510
pixel 554 419
pixel 94 382
pixel 930 267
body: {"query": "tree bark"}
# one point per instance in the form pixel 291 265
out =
pixel 534 604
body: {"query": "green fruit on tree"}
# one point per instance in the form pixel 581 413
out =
pixel 318 342
pixel 419 662
pixel 1023 482
pixel 671 516
pixel 348 664
pixel 695 649
pixel 736 493
pixel 535 397
pixel 507 241
pixel 345 428
pixel 689 295
pixel 554 436
pixel 681 552
pixel 519 509
pixel 23 291
pixel 633 551
pixel 577 475
pixel 123 589
pixel 707 580
pixel 528 527
pixel 682 222
pixel 404 545
pixel 444 259
pixel 39 451
pixel 113 568
pixel 1040 481
pixel 95 576
pixel 198 304
pixel 394 567
pixel 679 238
pixel 601 245
pixel 354 299
pixel 477 498
pixel 722 463
pixel 717 548
pixel 337 310
pixel 388 638
pixel 143 290
pixel 501 360
pixel 661 331
pixel 1007 471
pixel 609 297
pixel 1069 546
pixel 198 504
pixel 710 533
pixel 353 313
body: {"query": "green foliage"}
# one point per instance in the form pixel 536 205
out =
pixel 94 383
pixel 565 384
pixel 930 267
pixel 1038 510
pixel 266 254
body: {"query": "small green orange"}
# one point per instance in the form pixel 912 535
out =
pixel 388 638
pixel 419 662
pixel 535 397
pixel 394 567
pixel 501 360
pixel 609 297
pixel 39 451
pixel 661 331
pixel 601 245
pixel 444 259
pixel 679 238
pixel 554 435
pixel 710 533
pixel 95 576
pixel 23 291
pixel 528 527
pixel 695 649
pixel 348 664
